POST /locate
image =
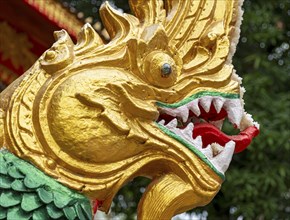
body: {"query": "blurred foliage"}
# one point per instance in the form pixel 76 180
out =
pixel 257 183
pixel 89 9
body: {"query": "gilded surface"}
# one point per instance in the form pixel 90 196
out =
pixel 86 113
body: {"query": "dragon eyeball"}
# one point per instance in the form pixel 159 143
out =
pixel 166 70
pixel 160 69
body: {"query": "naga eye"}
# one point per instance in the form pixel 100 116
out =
pixel 166 70
pixel 160 69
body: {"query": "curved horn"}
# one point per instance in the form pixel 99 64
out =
pixel 148 12
pixel 188 21
pixel 87 38
pixel 117 24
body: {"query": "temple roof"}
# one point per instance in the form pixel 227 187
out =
pixel 56 13
pixel 27 28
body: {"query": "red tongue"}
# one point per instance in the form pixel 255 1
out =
pixel 211 134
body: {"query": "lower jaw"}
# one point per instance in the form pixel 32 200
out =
pixel 191 148
pixel 212 135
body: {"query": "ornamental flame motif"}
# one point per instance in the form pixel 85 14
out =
pixel 151 102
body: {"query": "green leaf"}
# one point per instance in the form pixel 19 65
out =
pixel 6 157
pixel 5 182
pixel 45 195
pixel 31 182
pixel 37 189
pixel 53 212
pixel 16 213
pixel 3 167
pixel 40 214
pixel 2 160
pixel 8 199
pixel 19 186
pixel 70 213
pixel 61 200
pixel 30 202
pixel 15 173
pixel 3 213
pixel 80 212
pixel 87 209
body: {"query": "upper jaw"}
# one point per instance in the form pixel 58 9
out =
pixel 207 138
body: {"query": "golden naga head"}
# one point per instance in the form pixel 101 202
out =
pixel 151 102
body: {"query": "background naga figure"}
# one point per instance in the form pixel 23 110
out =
pixel 151 102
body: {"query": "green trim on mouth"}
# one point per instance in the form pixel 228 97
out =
pixel 198 95
pixel 192 148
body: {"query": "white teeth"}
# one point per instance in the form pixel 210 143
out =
pixel 218 104
pixel 232 106
pixel 197 142
pixel 183 114
pixel 235 111
pixel 218 124
pixel 169 111
pixel 207 152
pixel 193 106
pixel 188 130
pixel 205 102
pixel 185 133
pixel 248 121
pixel 256 124
pixel 223 159
pixel 216 148
pixel 219 156
pixel 172 124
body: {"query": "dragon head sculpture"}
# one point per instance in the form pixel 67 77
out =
pixel 151 102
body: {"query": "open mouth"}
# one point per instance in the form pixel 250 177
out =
pixel 197 122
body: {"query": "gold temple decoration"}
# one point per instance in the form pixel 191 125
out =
pixel 85 114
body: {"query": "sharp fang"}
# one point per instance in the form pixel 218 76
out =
pixel 222 161
pixel 218 104
pixel 216 148
pixel 183 113
pixel 246 121
pixel 218 124
pixel 205 102
pixel 188 130
pixel 207 152
pixel 235 111
pixel 193 106
pixel 162 122
pixel 172 124
pixel 197 142
pixel 257 125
